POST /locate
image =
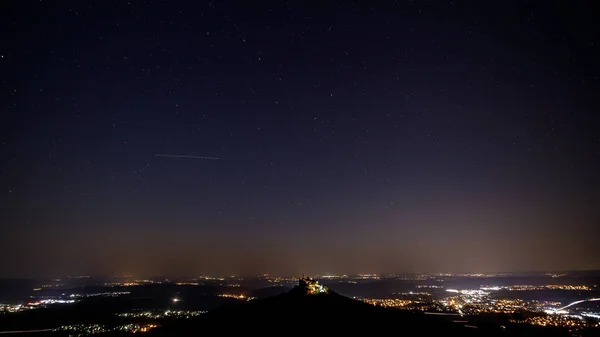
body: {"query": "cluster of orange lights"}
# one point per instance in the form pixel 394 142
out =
pixel 237 297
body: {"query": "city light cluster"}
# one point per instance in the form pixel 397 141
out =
pixel 428 286
pixel 162 314
pixel 478 301
pixel 32 305
pixel 549 287
pixel 413 293
pixel 388 302
pixel 332 277
pixel 82 330
pixel 367 277
pixel 556 321
pixel 211 278
pixel 595 315
pixel 104 294
pixel 16 307
pixel 472 274
pixel 238 297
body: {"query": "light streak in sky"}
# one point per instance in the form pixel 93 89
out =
pixel 185 156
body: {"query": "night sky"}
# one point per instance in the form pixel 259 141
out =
pixel 342 136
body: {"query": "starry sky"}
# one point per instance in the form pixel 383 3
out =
pixel 343 136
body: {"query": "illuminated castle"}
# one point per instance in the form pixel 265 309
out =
pixel 311 287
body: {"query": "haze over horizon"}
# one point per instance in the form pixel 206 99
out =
pixel 298 137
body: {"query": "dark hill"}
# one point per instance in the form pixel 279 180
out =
pixel 300 313
pixel 311 309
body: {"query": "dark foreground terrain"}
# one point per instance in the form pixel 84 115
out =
pixel 309 308
pixel 298 313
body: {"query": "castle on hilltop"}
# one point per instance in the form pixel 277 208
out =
pixel 311 286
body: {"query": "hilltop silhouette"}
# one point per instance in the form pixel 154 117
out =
pixel 311 308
